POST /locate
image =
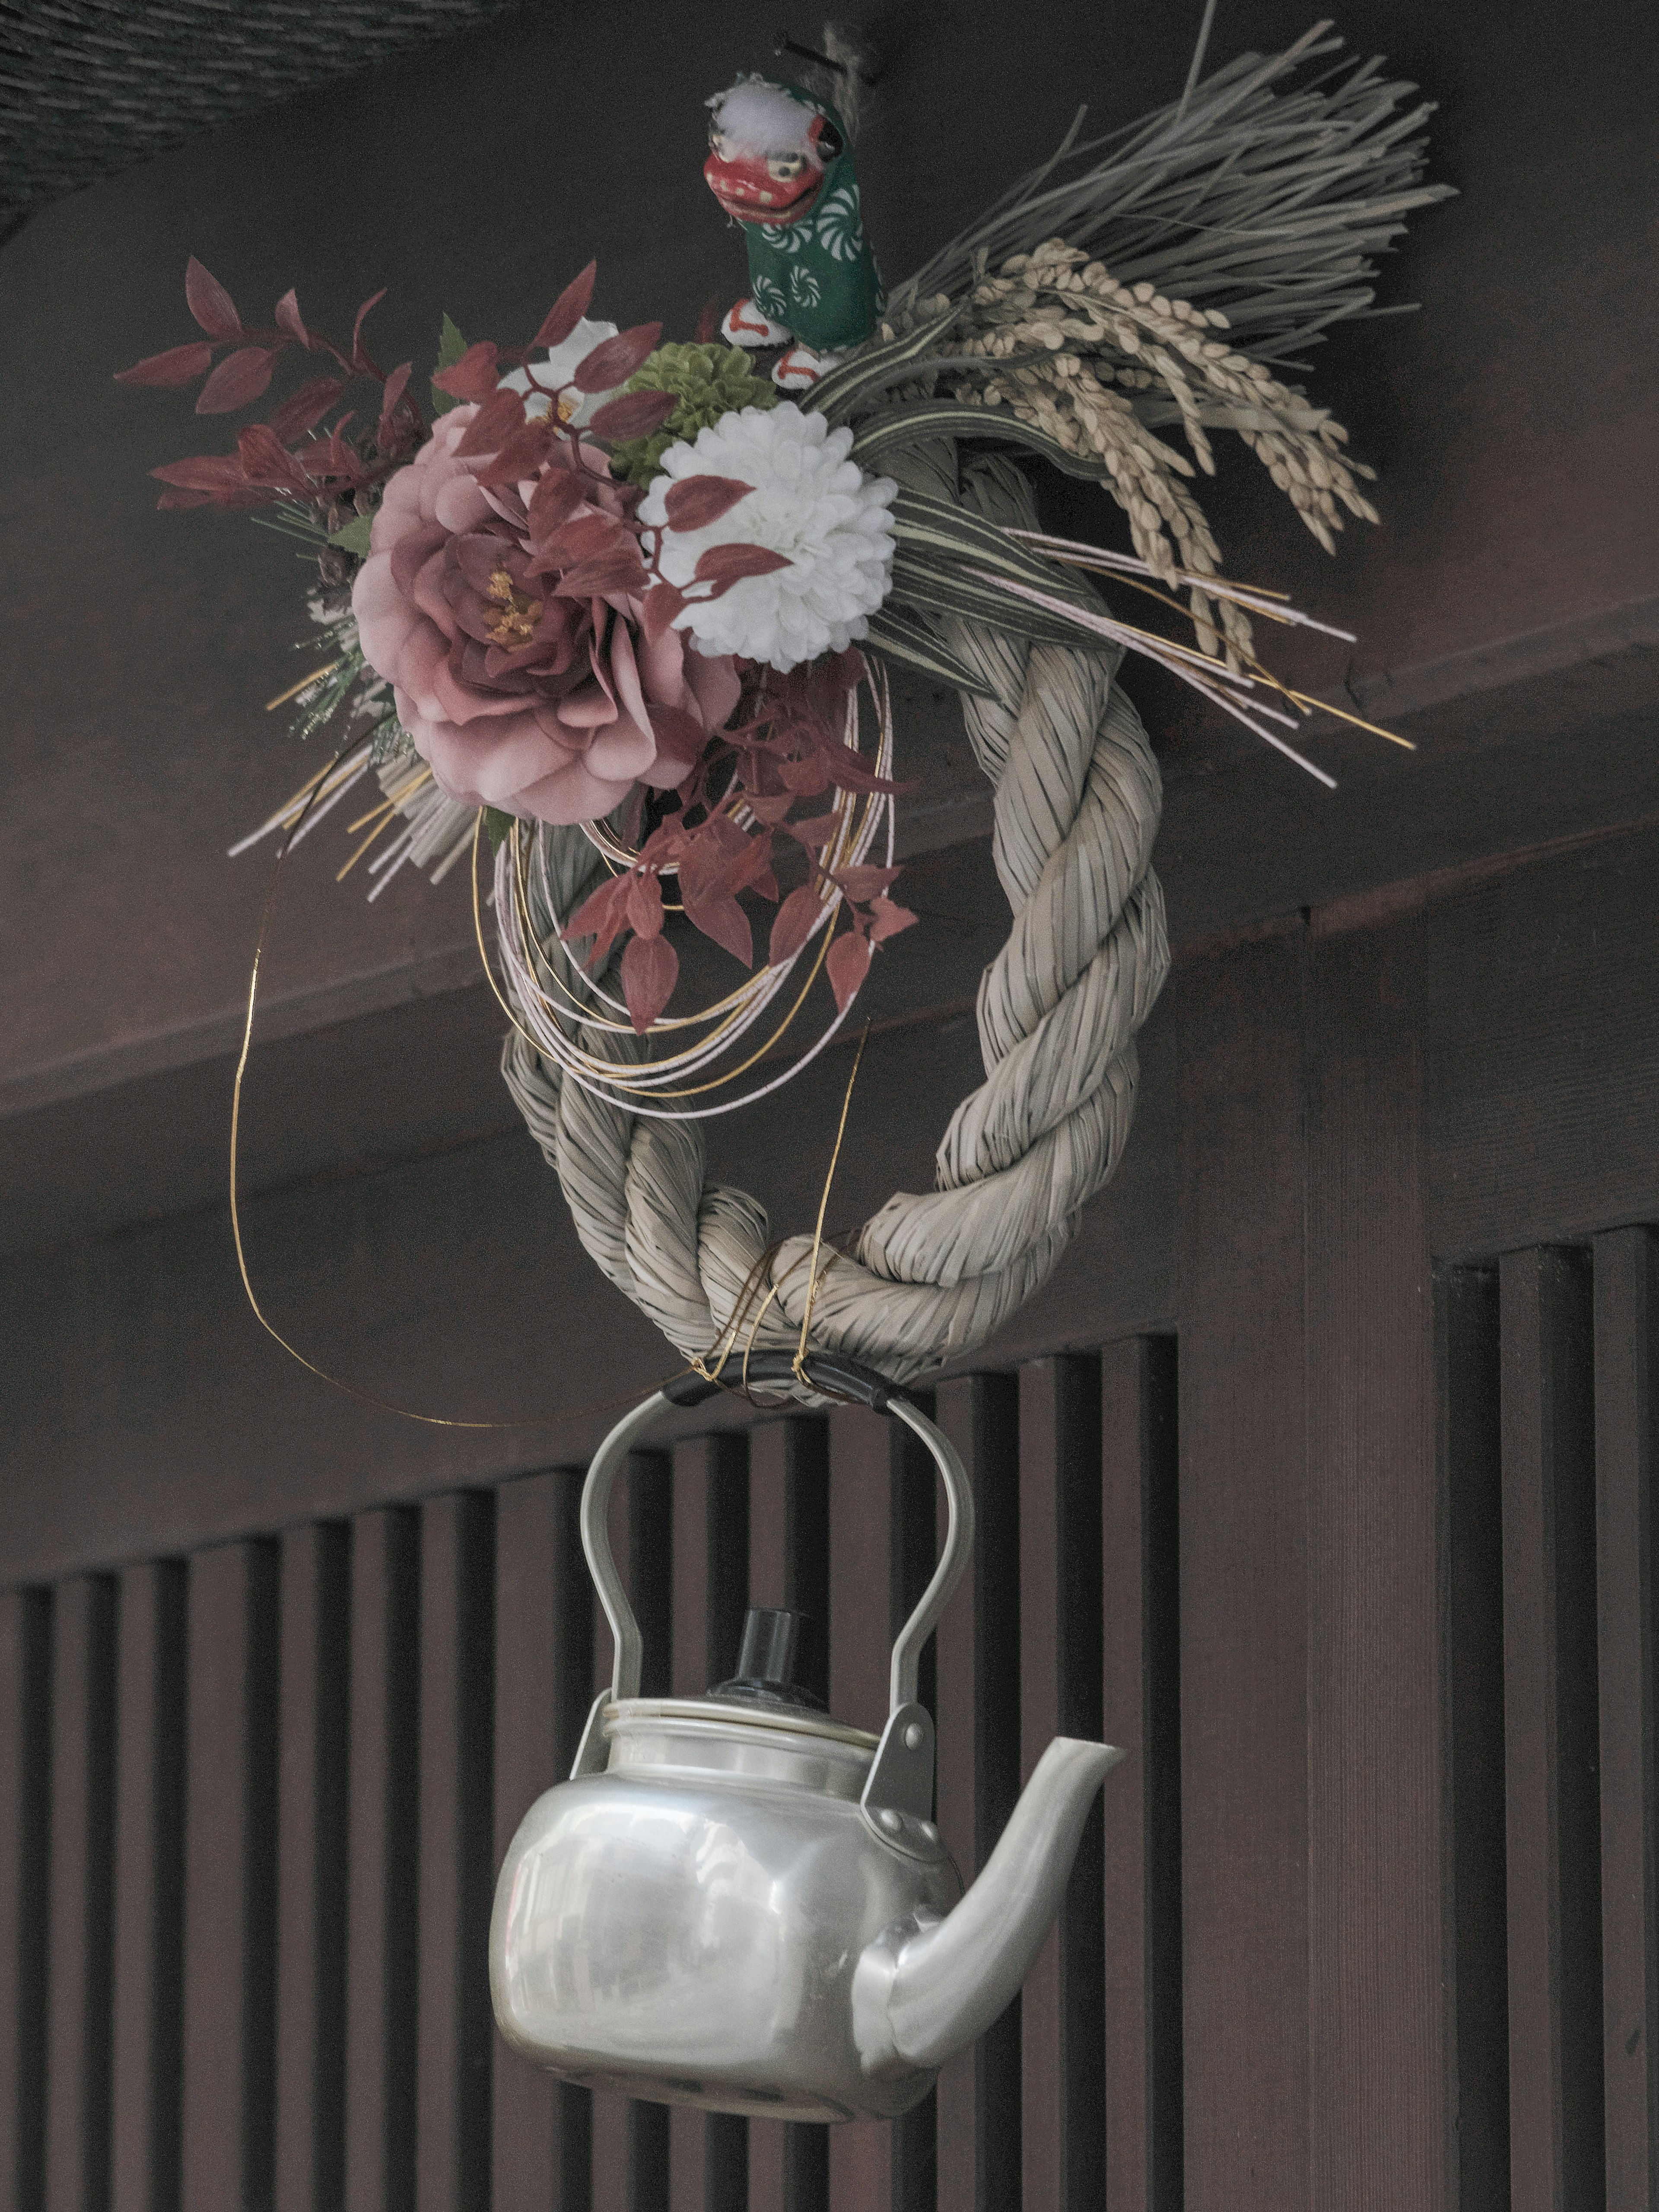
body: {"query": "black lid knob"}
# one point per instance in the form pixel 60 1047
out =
pixel 773 1651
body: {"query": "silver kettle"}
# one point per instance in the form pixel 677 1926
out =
pixel 738 1903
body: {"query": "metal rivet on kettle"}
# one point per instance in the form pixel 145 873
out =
pixel 915 1736
pixel 888 1818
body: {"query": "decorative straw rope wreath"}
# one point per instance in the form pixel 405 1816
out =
pixel 628 611
pixel 930 1276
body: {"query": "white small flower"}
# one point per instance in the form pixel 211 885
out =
pixel 810 503
pixel 577 407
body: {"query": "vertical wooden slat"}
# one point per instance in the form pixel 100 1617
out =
pixel 229 1879
pixel 1240 1289
pixel 913 1549
pixel 1062 2143
pixel 709 2153
pixel 1141 1712
pixel 1477 1948
pixel 311 1867
pixel 789 1566
pixel 1550 1728
pixel 381 1863
pixel 630 2135
pixel 541 2147
pixel 149 1805
pixel 860 2152
pixel 1627 1269
pixel 1378 2014
pixel 83 1826
pixel 25 1789
pixel 977 1720
pixel 455 1882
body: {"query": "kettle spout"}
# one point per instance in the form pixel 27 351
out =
pixel 922 1993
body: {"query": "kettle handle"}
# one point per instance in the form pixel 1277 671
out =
pixel 842 1377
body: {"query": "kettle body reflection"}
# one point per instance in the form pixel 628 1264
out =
pixel 737 1902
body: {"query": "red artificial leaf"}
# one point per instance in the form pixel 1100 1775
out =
pixel 266 460
pixel 185 499
pixel 770 810
pixel 808 776
pixel 863 883
pixel 208 302
pixel 177 365
pixel 644 905
pixel 661 603
pixel 767 885
pixel 636 414
pixel 847 964
pixel 886 920
pixel 395 384
pixel 816 831
pixel 600 915
pixel 556 498
pixel 359 358
pixel 650 968
pixel 720 917
pixel 588 537
pixel 474 376
pixel 614 360
pixel 567 309
pixel 709 321
pixel 794 925
pixel 680 740
pixel 521 457
pixel 289 319
pixel 239 377
pixel 303 410
pixel 500 417
pixel 620 571
pixel 205 472
pixel 726 565
pixel 697 502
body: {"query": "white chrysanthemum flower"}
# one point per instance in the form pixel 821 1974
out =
pixel 559 367
pixel 810 503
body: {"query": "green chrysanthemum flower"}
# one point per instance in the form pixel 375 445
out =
pixel 708 382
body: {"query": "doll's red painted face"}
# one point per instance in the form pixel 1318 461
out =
pixel 777 186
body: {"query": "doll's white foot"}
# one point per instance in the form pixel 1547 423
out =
pixel 745 325
pixel 800 368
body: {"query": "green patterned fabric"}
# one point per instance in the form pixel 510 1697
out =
pixel 818 276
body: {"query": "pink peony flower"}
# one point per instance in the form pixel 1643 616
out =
pixel 520 690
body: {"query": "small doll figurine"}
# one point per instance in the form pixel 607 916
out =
pixel 780 162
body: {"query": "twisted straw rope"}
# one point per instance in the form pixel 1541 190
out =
pixel 932 1275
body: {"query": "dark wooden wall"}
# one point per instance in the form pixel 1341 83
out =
pixel 1319 1476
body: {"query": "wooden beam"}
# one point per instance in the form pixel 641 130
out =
pixel 149 1871
pixel 1379 2020
pixel 977 1720
pixel 1550 1731
pixel 1241 1259
pixel 25 1834
pixel 1141 1712
pixel 230 1879
pixel 79 1895
pixel 1476 1924
pixel 541 2146
pixel 1062 2132
pixel 311 1870
pixel 1626 1315
pixel 380 1860
pixel 457 1875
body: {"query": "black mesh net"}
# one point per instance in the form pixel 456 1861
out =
pixel 89 87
